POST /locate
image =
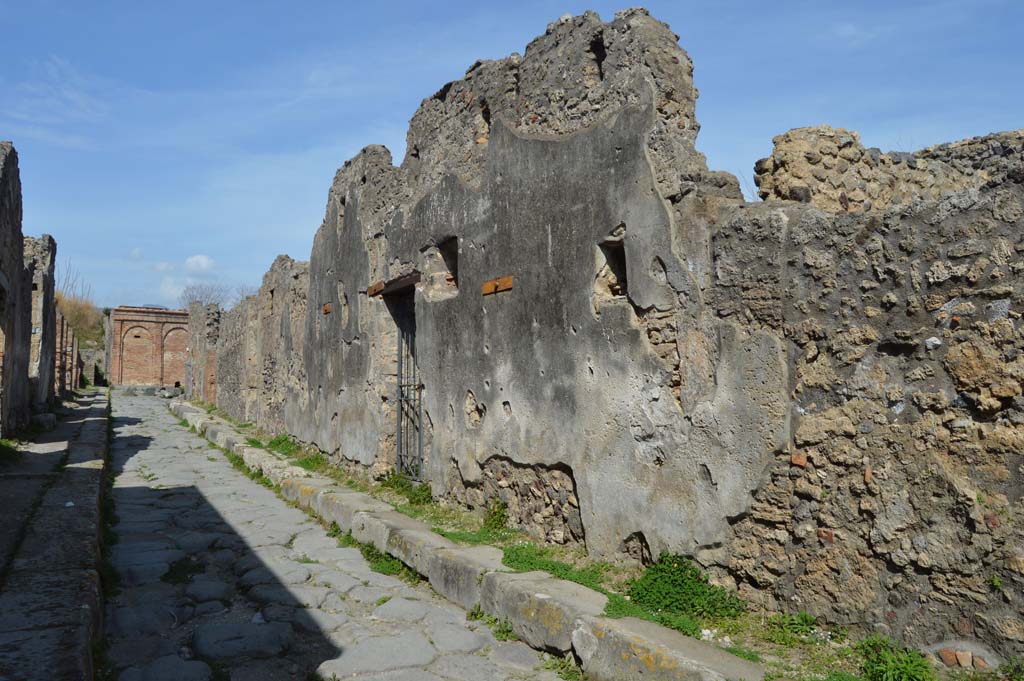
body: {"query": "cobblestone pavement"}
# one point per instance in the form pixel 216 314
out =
pixel 220 578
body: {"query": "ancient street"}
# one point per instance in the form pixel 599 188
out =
pixel 215 565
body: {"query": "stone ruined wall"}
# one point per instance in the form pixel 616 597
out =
pixel 898 499
pixel 204 331
pixel 830 168
pixel 15 300
pixel 250 357
pixel 237 368
pixel 281 304
pixel 817 401
pixel 40 259
pixel 579 152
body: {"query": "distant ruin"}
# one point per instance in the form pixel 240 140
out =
pixel 553 301
pixel 147 346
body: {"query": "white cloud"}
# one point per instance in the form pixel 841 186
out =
pixel 163 266
pixel 170 289
pixel 199 264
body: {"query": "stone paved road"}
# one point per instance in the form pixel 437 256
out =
pixel 219 575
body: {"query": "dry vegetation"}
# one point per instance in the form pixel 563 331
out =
pixel 74 299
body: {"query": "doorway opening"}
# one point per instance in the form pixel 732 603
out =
pixel 409 436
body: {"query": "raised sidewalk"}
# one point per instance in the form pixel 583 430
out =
pixel 50 599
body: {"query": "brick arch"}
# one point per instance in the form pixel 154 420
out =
pixel 175 346
pixel 137 354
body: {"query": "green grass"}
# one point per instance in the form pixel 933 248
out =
pixel 565 667
pixel 479 536
pixel 417 495
pixel 885 660
pixel 239 464
pixel 743 653
pixel 253 442
pixel 502 629
pixel 672 592
pixel 282 444
pixel 181 571
pixel 527 557
pixel 311 461
pixel 790 629
pixel 379 562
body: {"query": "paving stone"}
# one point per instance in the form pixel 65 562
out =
pixel 401 609
pixel 218 641
pixel 267 560
pixel 169 668
pixel 275 574
pixel 517 655
pixel 452 638
pixel 314 621
pixel 381 653
pixel 467 668
pixel 367 594
pixel 298 596
pixel 142 620
pixel 339 582
pixel 202 590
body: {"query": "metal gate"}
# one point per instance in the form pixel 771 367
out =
pixel 410 407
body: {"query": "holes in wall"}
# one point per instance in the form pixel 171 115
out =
pixel 599 51
pixel 636 547
pixel 475 412
pixel 507 407
pixel 440 268
pixel 342 303
pixel 611 283
pixel 485 114
pixel 896 347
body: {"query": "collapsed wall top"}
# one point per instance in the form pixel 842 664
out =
pixel 830 168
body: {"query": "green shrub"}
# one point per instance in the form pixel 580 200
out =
pixel 282 444
pixel 790 629
pixel 675 585
pixel 496 515
pixel 313 461
pixel 421 495
pixel 885 660
pixel 527 557
pixel 418 495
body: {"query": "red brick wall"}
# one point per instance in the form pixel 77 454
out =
pixel 137 348
pixel 175 344
pixel 148 346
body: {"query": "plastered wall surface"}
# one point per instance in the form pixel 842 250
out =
pixel 817 397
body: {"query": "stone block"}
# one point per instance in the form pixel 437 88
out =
pixel 541 610
pixel 628 648
pixel 458 573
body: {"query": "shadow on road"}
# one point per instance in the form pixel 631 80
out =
pixel 195 593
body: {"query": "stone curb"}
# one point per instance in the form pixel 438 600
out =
pixel 549 614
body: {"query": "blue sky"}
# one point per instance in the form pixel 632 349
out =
pixel 162 143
